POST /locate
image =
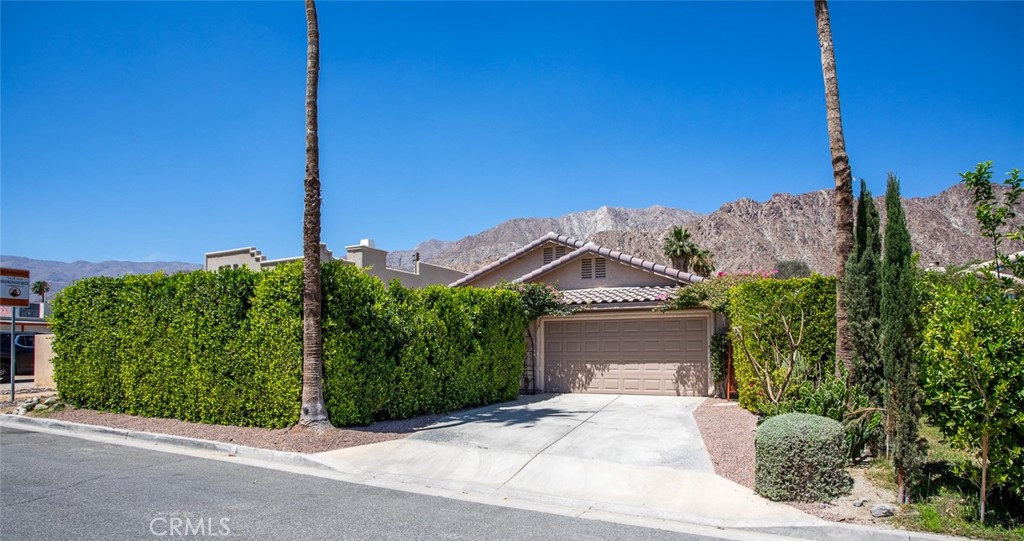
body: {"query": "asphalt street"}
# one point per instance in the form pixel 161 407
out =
pixel 58 487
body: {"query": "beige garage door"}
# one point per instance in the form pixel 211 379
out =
pixel 654 356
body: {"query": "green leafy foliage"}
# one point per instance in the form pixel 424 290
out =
pixel 539 299
pixel 712 294
pixel 226 347
pixel 993 215
pixel 720 355
pixel 800 457
pixel 973 372
pixel 759 308
pixel 835 399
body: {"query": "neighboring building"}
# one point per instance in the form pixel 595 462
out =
pixel 363 255
pixel 616 343
pixel 30 319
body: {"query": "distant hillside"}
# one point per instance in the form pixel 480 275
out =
pixel 59 274
pixel 471 252
pixel 743 235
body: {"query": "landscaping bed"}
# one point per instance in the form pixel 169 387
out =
pixel 728 431
pixel 295 439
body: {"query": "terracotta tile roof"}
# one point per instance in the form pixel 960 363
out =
pixel 560 239
pixel 600 295
pixel 632 261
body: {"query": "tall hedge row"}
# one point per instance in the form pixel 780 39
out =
pixel 756 304
pixel 226 347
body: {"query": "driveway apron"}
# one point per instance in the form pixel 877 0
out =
pixel 629 454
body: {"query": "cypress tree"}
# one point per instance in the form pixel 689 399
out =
pixel 863 298
pixel 898 340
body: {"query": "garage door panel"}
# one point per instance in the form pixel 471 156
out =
pixel 663 356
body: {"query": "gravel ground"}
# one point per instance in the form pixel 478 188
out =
pixel 728 431
pixel 293 439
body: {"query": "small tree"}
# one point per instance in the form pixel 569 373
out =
pixel 897 341
pixel 776 359
pixel 973 346
pixel 679 247
pixel 992 215
pixel 863 299
pixel 703 263
pixel 41 288
pixel 792 268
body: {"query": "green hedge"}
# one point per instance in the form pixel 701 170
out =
pixel 755 304
pixel 226 347
pixel 800 457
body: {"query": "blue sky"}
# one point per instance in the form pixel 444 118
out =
pixel 162 130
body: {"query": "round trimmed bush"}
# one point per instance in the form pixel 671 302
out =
pixel 800 457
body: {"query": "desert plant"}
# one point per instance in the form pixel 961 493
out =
pixel 800 457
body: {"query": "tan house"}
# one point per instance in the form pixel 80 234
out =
pixel 616 343
pixel 364 255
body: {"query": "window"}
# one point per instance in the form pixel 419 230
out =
pixel 552 253
pixel 593 268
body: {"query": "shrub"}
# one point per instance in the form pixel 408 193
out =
pixel 973 373
pixel 761 305
pixel 834 399
pixel 800 457
pixel 226 347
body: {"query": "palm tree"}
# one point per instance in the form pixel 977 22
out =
pixel 40 288
pixel 703 263
pixel 843 179
pixel 680 248
pixel 314 412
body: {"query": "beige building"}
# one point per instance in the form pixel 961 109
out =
pixel 616 343
pixel 363 255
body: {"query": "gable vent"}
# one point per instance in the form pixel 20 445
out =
pixel 588 268
pixel 599 267
pixel 552 253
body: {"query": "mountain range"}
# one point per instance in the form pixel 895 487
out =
pixel 743 235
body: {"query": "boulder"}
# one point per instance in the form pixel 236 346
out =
pixel 882 510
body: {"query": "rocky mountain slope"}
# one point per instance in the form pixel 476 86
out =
pixel 59 274
pixel 471 252
pixel 743 235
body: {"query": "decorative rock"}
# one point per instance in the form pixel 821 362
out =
pixel 860 502
pixel 51 400
pixel 57 407
pixel 882 510
pixel 40 407
pixel 32 401
pixel 22 411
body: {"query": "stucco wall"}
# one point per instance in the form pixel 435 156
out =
pixel 44 361
pixel 569 276
pixel 510 270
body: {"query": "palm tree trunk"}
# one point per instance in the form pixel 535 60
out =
pixel 843 180
pixel 314 413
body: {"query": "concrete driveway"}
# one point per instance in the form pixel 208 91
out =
pixel 627 454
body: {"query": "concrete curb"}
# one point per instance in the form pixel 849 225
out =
pixel 228 449
pixel 534 501
pixel 854 532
